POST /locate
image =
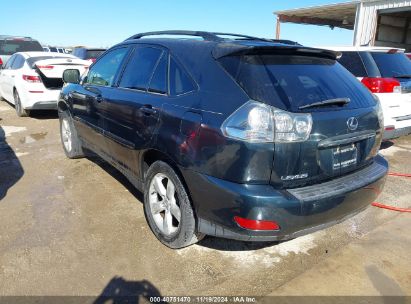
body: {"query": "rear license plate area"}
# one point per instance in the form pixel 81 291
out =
pixel 345 157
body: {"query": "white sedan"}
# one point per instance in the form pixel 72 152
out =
pixel 33 80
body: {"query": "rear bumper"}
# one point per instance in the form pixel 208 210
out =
pixel 298 211
pixel 38 98
pixel 396 133
pixel 43 105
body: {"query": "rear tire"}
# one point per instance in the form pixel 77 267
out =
pixel 168 209
pixel 71 143
pixel 21 112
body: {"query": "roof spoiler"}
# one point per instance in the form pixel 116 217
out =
pixel 223 50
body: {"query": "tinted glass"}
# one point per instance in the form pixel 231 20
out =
pixel 9 62
pixel 93 54
pixel 391 65
pixel 288 82
pixel 18 62
pixel 104 71
pixel 353 63
pixel 9 47
pixel 140 68
pixel 158 83
pixel 180 82
pixel 53 49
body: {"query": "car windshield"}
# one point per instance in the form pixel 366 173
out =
pixel 93 54
pixel 392 65
pixel 32 60
pixel 9 47
pixel 290 82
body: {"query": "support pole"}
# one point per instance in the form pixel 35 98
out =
pixel 278 28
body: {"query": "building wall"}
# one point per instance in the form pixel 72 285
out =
pixel 366 20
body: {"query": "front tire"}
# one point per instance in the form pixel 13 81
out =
pixel 168 209
pixel 21 112
pixel 71 143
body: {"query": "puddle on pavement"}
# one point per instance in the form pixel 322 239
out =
pixel 33 138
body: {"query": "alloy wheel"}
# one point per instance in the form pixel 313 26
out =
pixel 164 205
pixel 66 134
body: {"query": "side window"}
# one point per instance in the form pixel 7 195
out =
pixel 18 62
pixel 158 83
pixel 104 71
pixel 353 63
pixel 180 81
pixel 9 62
pixel 140 68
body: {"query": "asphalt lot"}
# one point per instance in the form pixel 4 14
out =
pixel 77 227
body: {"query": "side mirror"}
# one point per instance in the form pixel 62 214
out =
pixel 71 76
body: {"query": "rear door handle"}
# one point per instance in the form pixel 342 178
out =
pixel 98 98
pixel 148 110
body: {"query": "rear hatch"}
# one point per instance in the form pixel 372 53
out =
pixel 345 134
pixel 395 66
pixel 51 69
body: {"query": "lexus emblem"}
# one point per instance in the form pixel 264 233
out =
pixel 352 123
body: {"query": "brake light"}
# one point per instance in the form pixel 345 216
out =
pixel 45 67
pixel 260 123
pixel 256 224
pixel 390 128
pixel 1 62
pixel 30 78
pixel 382 85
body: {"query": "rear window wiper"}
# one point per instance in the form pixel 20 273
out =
pixel 402 76
pixel 327 102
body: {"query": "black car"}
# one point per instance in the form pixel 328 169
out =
pixel 87 53
pixel 241 137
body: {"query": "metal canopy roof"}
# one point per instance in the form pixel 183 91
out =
pixel 333 15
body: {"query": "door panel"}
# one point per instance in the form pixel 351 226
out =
pixel 88 99
pixel 130 112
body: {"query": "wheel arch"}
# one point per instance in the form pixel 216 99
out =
pixel 152 155
pixel 62 106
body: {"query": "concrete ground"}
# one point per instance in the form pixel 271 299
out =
pixel 77 227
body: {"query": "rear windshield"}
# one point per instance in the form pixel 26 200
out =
pixel 391 65
pixel 289 82
pixel 9 47
pixel 93 54
pixel 32 60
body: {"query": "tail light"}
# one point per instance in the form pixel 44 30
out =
pixel 260 123
pixel 46 67
pixel 256 224
pixel 1 62
pixel 31 78
pixel 382 85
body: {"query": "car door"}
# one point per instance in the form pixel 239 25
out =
pixel 132 110
pixel 89 97
pixel 6 89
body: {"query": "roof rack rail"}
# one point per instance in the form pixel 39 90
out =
pixel 205 35
pixel 209 36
